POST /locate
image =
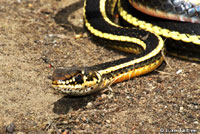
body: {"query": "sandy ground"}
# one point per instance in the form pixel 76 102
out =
pixel 37 33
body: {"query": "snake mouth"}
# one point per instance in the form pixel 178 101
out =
pixel 68 78
pixel 74 90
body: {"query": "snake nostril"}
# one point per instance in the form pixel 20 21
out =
pixel 50 77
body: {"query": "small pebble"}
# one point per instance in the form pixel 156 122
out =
pixel 179 71
pixel 181 109
pixel 103 96
pixel 30 5
pixel 78 36
pixel 10 128
pixel 89 105
pixel 196 122
pixel 108 121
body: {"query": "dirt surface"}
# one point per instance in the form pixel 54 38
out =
pixel 37 35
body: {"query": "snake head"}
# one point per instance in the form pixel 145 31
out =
pixel 76 81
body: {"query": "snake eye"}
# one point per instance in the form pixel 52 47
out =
pixel 79 78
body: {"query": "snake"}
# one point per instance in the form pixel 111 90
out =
pixel 143 24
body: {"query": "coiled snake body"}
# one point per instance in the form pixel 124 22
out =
pixel 144 40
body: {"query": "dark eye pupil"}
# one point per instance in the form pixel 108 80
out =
pixel 79 79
